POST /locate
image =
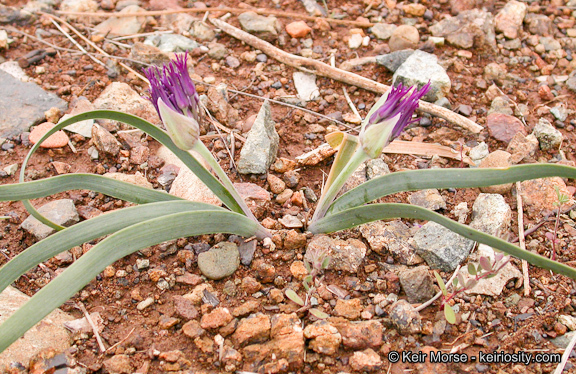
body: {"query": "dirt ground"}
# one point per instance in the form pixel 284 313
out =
pixel 139 334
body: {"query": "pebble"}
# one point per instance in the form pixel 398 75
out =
pixel 219 317
pixel 418 284
pixel 405 318
pixel 251 330
pixel 217 51
pixel 419 69
pixel 220 261
pixel 539 195
pixel 118 364
pixel 324 338
pixel 404 37
pixel 474 27
pixel 392 61
pixel 201 30
pixel 509 19
pixel 145 303
pixel 492 215
pixel 349 309
pixel 261 146
pixel 57 140
pixel 122 26
pixel 306 87
pixel 429 199
pixel 104 141
pixel 277 185
pixel 358 335
pixel 169 43
pixel 138 179
pixel 503 127
pixel 192 329
pixel 298 29
pixel 391 237
pixel 367 360
pixel 522 147
pixel 121 97
pixel 62 212
pixel 264 27
pixel 383 30
pixel 290 222
pixel 441 248
pixel 548 137
pixel 346 255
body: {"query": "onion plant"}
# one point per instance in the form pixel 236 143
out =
pixel 160 217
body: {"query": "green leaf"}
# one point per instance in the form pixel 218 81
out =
pixel 471 283
pixel 441 283
pixel 319 314
pixel 375 212
pixel 485 263
pixel 111 249
pixel 93 182
pixel 471 269
pixel 294 297
pixel 449 314
pixel 204 175
pixel 88 230
pixel 307 266
pixel 445 178
pixel 326 262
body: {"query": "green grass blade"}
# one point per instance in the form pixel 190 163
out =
pixel 98 183
pixel 83 232
pixel 445 178
pixel 116 246
pixel 375 212
pixel 204 175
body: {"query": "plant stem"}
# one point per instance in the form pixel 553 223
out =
pixel 205 153
pixel 328 196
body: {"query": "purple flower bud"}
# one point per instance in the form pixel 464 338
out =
pixel 388 120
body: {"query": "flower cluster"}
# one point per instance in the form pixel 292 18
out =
pixel 390 118
pixel 175 98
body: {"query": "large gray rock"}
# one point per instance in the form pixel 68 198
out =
pixel 220 261
pixel 491 214
pixel 23 105
pixel 420 68
pixel 62 212
pixel 441 248
pixel 471 28
pixel 261 146
pixel 48 333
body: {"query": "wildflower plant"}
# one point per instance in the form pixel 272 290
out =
pixel 160 217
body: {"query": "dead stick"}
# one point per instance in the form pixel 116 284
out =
pixel 325 70
pixel 522 238
pixel 94 328
pixel 227 10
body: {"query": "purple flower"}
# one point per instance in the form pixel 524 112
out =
pixel 390 118
pixel 174 96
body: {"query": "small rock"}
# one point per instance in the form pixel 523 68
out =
pixel 419 69
pixel 261 146
pixel 290 222
pixel 349 309
pixel 497 159
pixel 192 329
pixel 441 248
pixel 217 51
pixel 564 340
pixel 62 212
pixel 217 318
pixel 166 323
pixel 220 261
pixel 418 284
pixel 509 19
pixel 474 27
pixel 169 43
pixel 276 184
pixel 57 140
pixel 254 329
pixel 346 255
pixel 392 61
pixel 149 54
pixel 138 179
pixel 248 307
pixel 393 237
pixel 264 27
pixel 547 135
pixel 568 321
pixel 184 308
pixel 188 186
pixel 429 199
pixel 298 29
pixel 202 31
pixel 503 127
pixel 500 105
pixel 383 30
pixel 522 147
pixel 118 364
pixel 358 335
pixel 367 360
pixel 539 195
pixel 104 141
pixel 306 87
pixel 405 318
pixel 491 214
pixel 404 37
pixel 325 338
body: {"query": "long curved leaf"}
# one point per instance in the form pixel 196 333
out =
pixel 445 178
pixel 98 183
pixel 116 246
pixel 88 230
pixel 204 175
pixel 375 212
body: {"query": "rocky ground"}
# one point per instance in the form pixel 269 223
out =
pixel 508 66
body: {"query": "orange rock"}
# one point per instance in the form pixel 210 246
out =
pixel 298 29
pixel 56 140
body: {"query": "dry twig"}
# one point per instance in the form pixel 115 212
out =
pixel 522 238
pixel 93 326
pixel 429 302
pixel 220 10
pixel 320 68
pixel 566 356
